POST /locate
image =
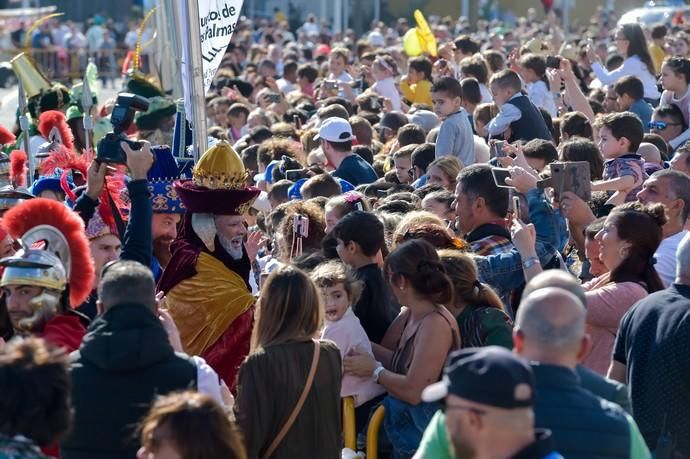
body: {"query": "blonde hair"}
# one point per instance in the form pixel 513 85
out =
pixel 343 53
pixel 289 309
pixel 332 273
pixel 449 165
pixel 462 270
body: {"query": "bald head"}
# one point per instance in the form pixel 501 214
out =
pixel 556 278
pixel 550 323
pixel 649 152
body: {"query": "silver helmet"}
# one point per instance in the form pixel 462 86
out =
pixel 43 261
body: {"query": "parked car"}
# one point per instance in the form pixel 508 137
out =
pixel 654 12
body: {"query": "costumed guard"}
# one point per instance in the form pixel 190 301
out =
pixel 42 96
pixel 50 274
pixel 207 280
pixel 167 206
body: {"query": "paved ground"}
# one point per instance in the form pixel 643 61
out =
pixel 8 101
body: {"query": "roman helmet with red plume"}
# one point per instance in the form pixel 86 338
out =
pixel 18 168
pixel 53 126
pixel 54 255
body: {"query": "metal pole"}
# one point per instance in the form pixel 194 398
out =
pixel 324 6
pixel 24 125
pixel 86 104
pixel 171 16
pixel 567 4
pixel 195 75
pixel 377 10
pixel 465 9
pixel 338 16
pixel 346 15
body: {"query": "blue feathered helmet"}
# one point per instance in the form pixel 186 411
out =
pixel 163 173
pixel 56 182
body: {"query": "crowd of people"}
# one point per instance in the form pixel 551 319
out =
pixel 64 47
pixel 486 248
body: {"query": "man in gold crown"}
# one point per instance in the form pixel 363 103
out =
pixel 206 282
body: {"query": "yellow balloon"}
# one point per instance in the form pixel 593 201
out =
pixel 411 43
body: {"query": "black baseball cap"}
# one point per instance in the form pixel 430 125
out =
pixel 490 375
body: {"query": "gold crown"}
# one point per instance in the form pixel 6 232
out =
pixel 220 168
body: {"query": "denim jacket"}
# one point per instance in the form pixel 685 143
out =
pixel 503 272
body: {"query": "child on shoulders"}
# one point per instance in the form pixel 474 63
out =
pixel 620 135
pixel 517 113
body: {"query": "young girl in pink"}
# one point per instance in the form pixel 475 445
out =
pixel 339 289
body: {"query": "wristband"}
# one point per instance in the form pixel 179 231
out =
pixel 377 373
pixel 531 261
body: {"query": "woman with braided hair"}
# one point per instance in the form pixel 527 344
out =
pixel 416 345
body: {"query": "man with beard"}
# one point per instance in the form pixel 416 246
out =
pixel 49 275
pixel 167 207
pixel 488 394
pixel 206 282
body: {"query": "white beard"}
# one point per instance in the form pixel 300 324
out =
pixel 234 252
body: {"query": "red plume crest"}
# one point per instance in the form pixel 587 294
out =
pixel 41 211
pixel 6 137
pixel 54 118
pixel 18 168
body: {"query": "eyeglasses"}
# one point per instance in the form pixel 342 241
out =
pixel 661 125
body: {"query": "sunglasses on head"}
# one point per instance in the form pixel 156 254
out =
pixel 661 125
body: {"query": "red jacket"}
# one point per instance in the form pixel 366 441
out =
pixel 65 331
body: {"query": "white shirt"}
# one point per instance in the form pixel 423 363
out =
pixel 485 93
pixel 482 152
pixel 508 114
pixel 665 257
pixel 207 380
pixel 346 77
pixel 386 88
pixel 285 86
pixel 540 96
pixel 631 66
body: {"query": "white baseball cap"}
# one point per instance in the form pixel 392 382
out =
pixel 335 130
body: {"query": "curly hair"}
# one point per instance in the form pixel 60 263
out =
pixel 333 272
pixel 312 243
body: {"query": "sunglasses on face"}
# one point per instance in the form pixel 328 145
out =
pixel 660 125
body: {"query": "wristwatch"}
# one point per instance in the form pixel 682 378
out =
pixel 377 373
pixel 531 261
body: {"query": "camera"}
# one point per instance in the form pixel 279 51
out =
pixel 109 150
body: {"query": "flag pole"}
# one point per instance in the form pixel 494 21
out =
pixel 195 76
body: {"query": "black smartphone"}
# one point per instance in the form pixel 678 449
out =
pixel 500 175
pixel 497 149
pixel 273 97
pixel 553 62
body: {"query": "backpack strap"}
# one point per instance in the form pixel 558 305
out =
pixel 300 402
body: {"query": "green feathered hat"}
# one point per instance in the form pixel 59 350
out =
pixel 159 108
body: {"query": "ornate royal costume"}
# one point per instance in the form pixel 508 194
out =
pixel 208 290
